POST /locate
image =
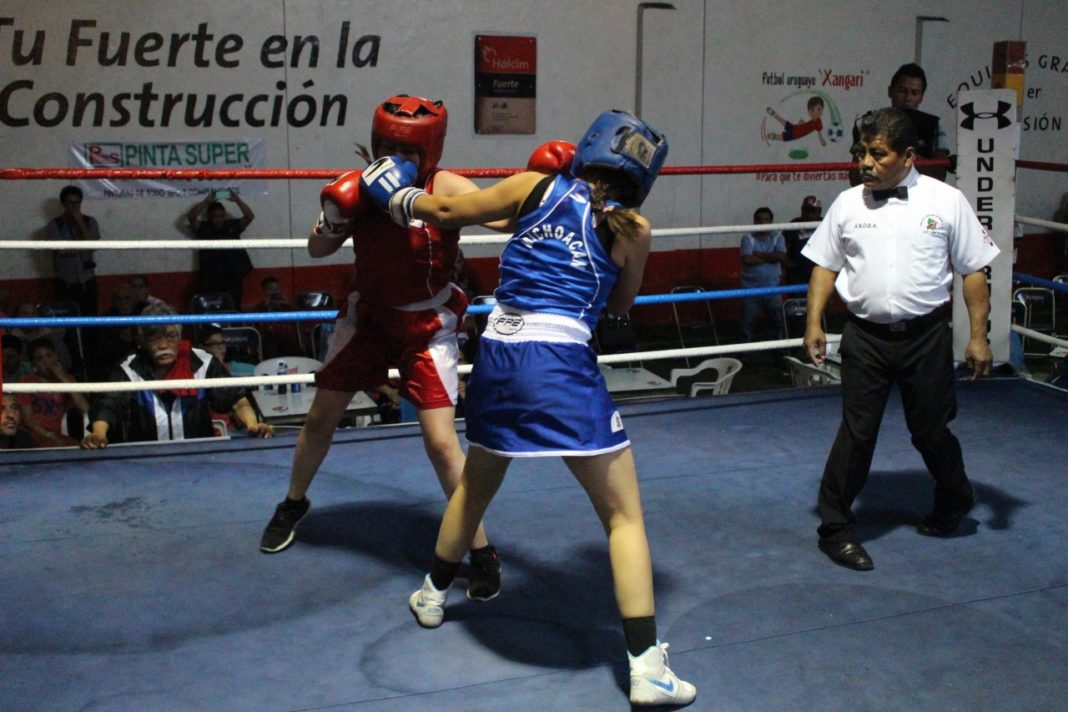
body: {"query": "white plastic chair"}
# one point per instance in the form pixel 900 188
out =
pixel 807 374
pixel 714 374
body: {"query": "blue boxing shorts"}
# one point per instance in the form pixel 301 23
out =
pixel 536 391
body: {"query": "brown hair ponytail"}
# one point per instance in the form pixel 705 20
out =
pixel 607 186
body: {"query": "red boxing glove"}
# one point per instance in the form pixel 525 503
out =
pixel 552 157
pixel 341 199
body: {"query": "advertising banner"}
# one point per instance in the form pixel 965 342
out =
pixel 505 84
pixel 169 155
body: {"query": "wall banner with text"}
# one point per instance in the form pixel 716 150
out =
pixel 505 84
pixel 175 155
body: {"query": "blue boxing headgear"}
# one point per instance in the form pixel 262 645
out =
pixel 621 141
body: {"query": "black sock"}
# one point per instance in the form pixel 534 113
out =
pixel 640 634
pixel 486 552
pixel 442 573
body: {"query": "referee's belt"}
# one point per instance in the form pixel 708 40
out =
pixel 905 328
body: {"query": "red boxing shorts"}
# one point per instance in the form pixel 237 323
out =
pixel 418 339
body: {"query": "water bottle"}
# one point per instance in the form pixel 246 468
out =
pixel 282 371
pixel 295 388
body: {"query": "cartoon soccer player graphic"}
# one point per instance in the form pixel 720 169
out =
pixel 792 132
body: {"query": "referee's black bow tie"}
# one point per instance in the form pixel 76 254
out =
pixel 901 192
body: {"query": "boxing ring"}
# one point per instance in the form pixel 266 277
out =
pixel 132 579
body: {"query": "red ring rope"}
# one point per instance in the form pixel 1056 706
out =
pixel 327 173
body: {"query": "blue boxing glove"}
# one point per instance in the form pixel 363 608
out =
pixel 388 183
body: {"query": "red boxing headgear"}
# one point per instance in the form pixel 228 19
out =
pixel 414 121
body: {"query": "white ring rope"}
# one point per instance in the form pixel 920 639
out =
pixel 289 242
pixel 1038 222
pixel 1039 336
pixel 307 378
pixel 299 243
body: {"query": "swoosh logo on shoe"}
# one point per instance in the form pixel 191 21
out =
pixel 665 686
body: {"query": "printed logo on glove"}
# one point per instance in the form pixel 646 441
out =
pixel 388 182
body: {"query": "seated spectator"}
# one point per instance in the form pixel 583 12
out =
pixel 117 342
pixel 43 413
pixel 12 436
pixel 173 413
pixel 213 340
pixel 139 282
pixel 1061 215
pixel 280 338
pixel 15 364
pixel 273 297
pixel 28 310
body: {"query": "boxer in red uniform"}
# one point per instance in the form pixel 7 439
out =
pixel 403 313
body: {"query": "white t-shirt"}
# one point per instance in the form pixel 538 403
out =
pixel 895 259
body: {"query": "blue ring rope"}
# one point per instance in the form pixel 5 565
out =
pixel 1039 282
pixel 330 314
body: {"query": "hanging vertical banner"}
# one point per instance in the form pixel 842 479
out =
pixel 505 83
pixel 986 174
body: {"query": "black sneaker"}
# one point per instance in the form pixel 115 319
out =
pixel 283 525
pixel 484 580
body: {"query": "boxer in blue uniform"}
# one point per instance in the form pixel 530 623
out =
pixel 577 250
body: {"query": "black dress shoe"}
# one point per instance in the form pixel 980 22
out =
pixel 848 554
pixel 943 521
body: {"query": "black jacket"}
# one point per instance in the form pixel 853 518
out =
pixel 132 415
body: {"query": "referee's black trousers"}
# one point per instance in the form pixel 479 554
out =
pixel 920 362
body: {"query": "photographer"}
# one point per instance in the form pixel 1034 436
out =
pixel 221 270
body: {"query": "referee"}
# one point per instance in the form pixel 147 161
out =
pixel 890 247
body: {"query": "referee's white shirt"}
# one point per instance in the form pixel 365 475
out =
pixel 895 259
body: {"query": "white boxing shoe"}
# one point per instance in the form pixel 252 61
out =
pixel 653 683
pixel 428 604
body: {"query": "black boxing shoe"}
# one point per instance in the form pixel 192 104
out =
pixel 849 554
pixel 943 521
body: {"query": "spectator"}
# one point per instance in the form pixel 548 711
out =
pixel 213 340
pixel 15 363
pixel 12 436
pixel 221 270
pixel 1061 216
pixel 763 254
pixel 279 338
pixel 139 282
pixel 172 413
pixel 799 267
pixel 273 297
pixel 43 413
pixel 75 270
pixel 117 342
pixel 906 91
pixel 28 310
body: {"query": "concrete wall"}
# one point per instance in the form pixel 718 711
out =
pixel 709 72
